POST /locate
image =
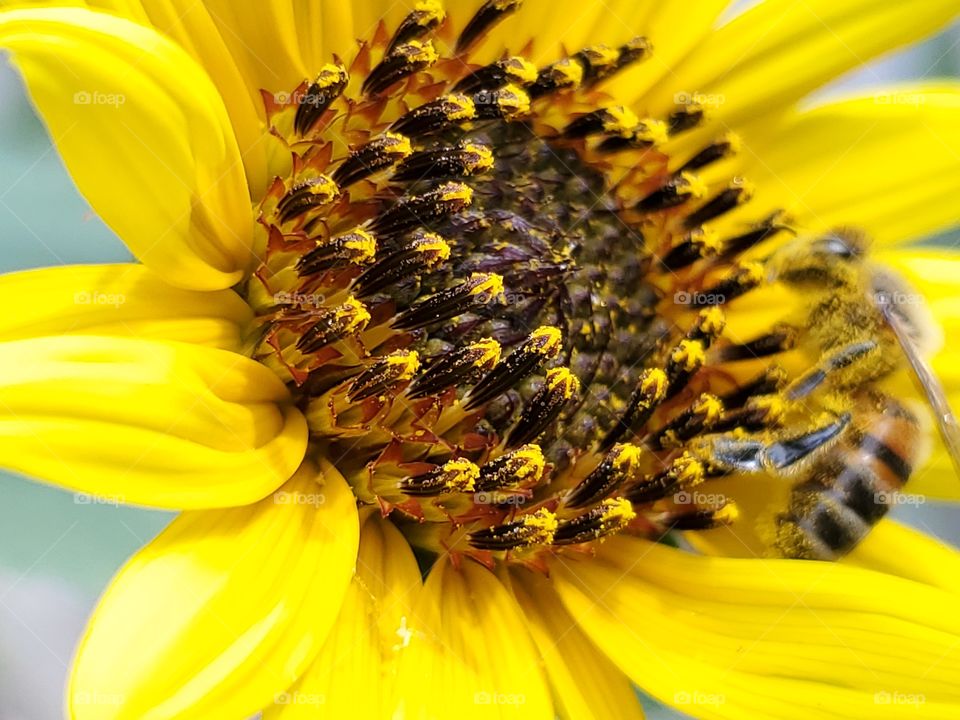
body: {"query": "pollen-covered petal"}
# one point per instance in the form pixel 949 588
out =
pixel 223 610
pixel 354 673
pixel 892 163
pixel 144 134
pixel 777 51
pixel 146 422
pixel 586 685
pixel 897 549
pixel 469 638
pixel 731 638
pixel 123 299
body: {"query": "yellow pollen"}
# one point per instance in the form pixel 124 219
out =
pixel 490 352
pixel 620 121
pixel 502 5
pixel 520 70
pixel 727 515
pixel 569 72
pixel 690 354
pixel 457 191
pixel 491 283
pixel 688 470
pixel 460 475
pixel 431 11
pixel 330 75
pixel 354 315
pixel 419 51
pixel 365 246
pixel 712 321
pixel 399 145
pixel 513 102
pixel 654 384
pixel 480 158
pixel 708 239
pixel 563 380
pixel 435 246
pixel 542 526
pixel 747 189
pixel 547 340
pixel 617 513
pixel 459 107
pixel 532 462
pixel 753 271
pixel 709 406
pixel 627 456
pixel 601 55
pixel 407 364
pixel 772 406
pixel 693 185
pixel 651 131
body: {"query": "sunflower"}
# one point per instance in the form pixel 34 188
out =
pixel 502 360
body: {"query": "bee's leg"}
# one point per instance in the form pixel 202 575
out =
pixel 804 385
pixel 730 453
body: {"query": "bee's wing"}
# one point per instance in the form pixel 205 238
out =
pixel 932 387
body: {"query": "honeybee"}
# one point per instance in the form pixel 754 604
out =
pixel 866 323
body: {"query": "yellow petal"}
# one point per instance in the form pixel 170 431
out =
pixel 779 50
pixel 721 638
pixel 353 675
pixel 896 549
pixel 145 422
pixel 222 611
pixel 118 300
pixel 888 162
pixel 469 655
pixel 144 134
pixel 585 684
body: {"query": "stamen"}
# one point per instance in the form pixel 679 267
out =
pixel 307 195
pixel 676 191
pixel 779 340
pixel 564 74
pixel 771 380
pixel 462 366
pixel 651 390
pixel 478 290
pixel 536 528
pixel 417 210
pixel 695 245
pixel 616 120
pixel 445 112
pixel 465 160
pixel 509 103
pixel 700 519
pixel 385 375
pixel 685 118
pixel 357 247
pixel 458 475
pixel 489 14
pixel 378 154
pixel 426 251
pixel 560 387
pixel 329 84
pixel 646 134
pixel 512 70
pixel 334 324
pixel 518 468
pixel 684 472
pixel 767 228
pixel 426 15
pixel 401 62
pixel 619 466
pixel 738 192
pixel 725 147
pixel 741 279
pixel 610 516
pixel 699 418
pixel 543 344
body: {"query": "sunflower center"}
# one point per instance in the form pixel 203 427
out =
pixel 500 300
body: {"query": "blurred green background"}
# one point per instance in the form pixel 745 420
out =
pixel 57 551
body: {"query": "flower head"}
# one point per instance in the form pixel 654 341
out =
pixel 442 291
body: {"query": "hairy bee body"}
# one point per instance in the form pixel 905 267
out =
pixel 853 483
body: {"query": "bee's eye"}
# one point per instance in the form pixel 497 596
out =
pixel 841 244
